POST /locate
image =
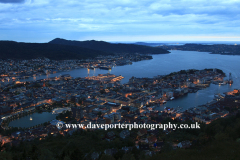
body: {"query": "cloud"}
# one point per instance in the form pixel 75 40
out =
pixel 119 18
pixel 12 1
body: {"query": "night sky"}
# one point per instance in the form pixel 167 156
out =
pixel 120 20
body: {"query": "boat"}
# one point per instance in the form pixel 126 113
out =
pixel 178 109
pixel 230 82
pixel 105 68
pixel 91 67
pixel 30 118
pixel 172 98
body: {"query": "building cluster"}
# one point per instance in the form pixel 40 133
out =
pixel 91 93
pixel 103 100
pixel 20 69
pixel 106 78
pixel 12 70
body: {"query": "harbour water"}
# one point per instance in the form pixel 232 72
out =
pixel 163 64
pixel 32 120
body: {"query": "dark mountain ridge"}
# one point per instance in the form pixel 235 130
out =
pixel 20 50
pixel 110 47
pixel 61 49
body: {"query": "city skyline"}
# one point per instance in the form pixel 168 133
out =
pixel 125 20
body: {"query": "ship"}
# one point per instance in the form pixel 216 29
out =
pixel 230 82
pixel 105 68
pixel 91 67
pixel 164 102
pixel 223 83
pixel 172 98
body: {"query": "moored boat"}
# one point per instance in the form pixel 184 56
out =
pixel 105 68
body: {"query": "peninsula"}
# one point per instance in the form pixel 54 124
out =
pixel 223 49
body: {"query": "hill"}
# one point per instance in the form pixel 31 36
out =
pixel 213 49
pixel 110 47
pixel 149 44
pixel 19 50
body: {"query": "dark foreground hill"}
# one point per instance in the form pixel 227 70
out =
pixel 19 50
pixel 110 47
pixel 218 140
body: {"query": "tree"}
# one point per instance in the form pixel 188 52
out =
pixel 77 154
pixel 1 147
pixel 136 152
pixel 24 154
pixel 167 147
pixel 34 153
pixel 7 146
pixel 6 156
pixel 107 157
pixel 128 157
pixel 183 72
pixel 119 154
pixel 62 155
pixel 46 154
pixel 99 114
pixel 67 158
